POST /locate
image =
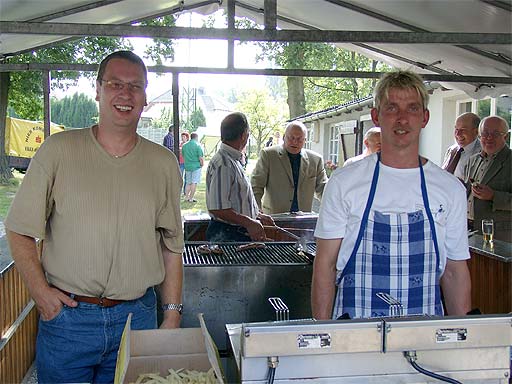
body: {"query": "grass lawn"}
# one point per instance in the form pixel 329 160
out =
pixel 200 207
pixel 7 193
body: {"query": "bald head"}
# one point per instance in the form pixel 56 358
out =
pixel 294 137
pixel 493 134
pixel 466 128
pixel 371 140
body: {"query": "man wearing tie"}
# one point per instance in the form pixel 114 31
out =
pixel 488 179
pixel 467 144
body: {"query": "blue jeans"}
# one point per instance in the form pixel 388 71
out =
pixel 80 344
pixel 182 169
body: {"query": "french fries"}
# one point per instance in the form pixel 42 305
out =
pixel 180 376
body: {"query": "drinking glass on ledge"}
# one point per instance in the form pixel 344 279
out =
pixel 488 231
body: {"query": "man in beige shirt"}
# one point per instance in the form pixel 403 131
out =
pixel 106 203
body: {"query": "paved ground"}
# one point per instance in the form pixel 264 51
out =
pixel 31 376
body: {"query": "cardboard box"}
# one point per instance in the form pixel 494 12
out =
pixel 157 350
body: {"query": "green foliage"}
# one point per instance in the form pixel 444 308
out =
pixel 26 92
pixel 264 113
pixel 319 93
pixel 165 119
pixel 197 119
pixel 76 111
pixel 484 108
pixel 160 48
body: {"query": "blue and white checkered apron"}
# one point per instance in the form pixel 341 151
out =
pixel 394 253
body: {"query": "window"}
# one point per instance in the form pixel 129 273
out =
pixel 309 138
pixel 464 107
pixel 504 108
pixel 334 143
pixel 484 108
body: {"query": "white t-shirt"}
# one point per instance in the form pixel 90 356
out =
pixel 398 191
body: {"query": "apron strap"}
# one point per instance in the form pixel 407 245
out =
pixel 429 213
pixel 368 207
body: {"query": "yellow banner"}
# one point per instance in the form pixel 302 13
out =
pixel 24 137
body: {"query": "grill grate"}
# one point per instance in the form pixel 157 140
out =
pixel 276 253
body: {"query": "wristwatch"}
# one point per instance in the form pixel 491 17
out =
pixel 173 307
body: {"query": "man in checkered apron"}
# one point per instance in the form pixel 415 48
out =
pixel 393 223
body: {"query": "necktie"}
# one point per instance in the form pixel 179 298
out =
pixel 454 161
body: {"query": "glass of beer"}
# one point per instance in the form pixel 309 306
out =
pixel 488 230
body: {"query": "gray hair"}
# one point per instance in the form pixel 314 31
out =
pixel 504 123
pixel 371 132
pixel 296 123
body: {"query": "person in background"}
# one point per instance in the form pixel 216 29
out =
pixel 106 203
pixel 234 212
pixel 287 177
pixel 371 143
pixel 185 137
pixel 278 140
pixel 488 179
pixel 467 144
pixel 407 236
pixel 194 161
pixel 169 139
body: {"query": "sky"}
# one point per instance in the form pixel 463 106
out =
pixel 201 53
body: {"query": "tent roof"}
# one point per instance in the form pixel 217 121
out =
pixel 439 21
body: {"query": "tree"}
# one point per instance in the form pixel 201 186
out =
pixel 310 94
pixel 165 120
pixel 76 111
pixel 25 87
pixel 197 119
pixel 264 114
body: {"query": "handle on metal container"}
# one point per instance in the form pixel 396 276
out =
pixel 282 311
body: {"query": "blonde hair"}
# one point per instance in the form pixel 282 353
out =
pixel 402 80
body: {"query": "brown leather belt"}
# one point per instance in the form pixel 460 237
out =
pixel 101 301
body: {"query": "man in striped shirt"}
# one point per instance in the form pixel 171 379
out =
pixel 229 197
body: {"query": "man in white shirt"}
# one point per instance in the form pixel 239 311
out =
pixel 371 142
pixel 393 222
pixel 467 144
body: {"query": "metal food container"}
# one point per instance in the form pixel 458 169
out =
pixel 234 287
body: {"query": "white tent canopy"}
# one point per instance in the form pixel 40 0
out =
pixel 442 19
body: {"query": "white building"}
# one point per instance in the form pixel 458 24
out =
pixel 337 132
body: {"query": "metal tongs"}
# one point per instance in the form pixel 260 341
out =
pixel 396 309
pixel 282 311
pixel 301 243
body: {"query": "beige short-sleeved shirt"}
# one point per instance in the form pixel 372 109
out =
pixel 102 218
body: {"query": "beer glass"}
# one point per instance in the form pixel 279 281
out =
pixel 488 230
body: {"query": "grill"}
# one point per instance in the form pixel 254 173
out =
pixel 234 287
pixel 273 254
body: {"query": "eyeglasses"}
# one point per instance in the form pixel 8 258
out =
pixel 491 135
pixel 118 85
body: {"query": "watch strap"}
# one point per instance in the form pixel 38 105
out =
pixel 173 307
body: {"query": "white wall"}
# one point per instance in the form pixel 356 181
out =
pixel 437 136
